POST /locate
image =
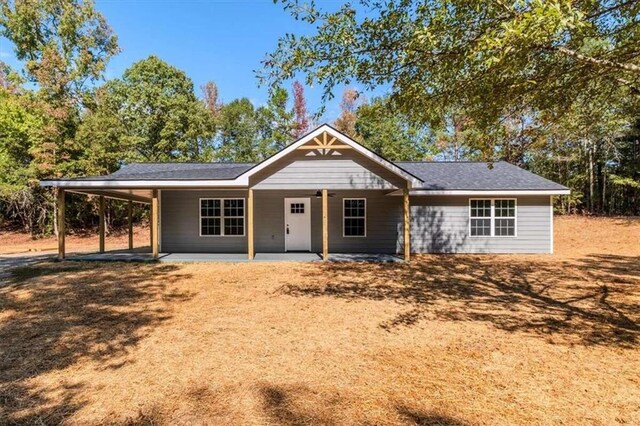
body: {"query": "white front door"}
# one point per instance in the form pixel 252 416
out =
pixel 297 224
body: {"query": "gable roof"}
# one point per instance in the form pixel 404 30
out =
pixel 364 151
pixel 473 176
pixel 424 177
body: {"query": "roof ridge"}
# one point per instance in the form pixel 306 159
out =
pixel 191 162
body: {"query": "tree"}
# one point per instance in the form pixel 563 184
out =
pixel 453 138
pixel 152 114
pixel 482 57
pixel 21 131
pixel 64 46
pixel 211 98
pixel 388 133
pixel 301 116
pixel 275 122
pixel 346 122
pixel 238 132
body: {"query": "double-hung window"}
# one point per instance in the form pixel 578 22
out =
pixel 354 218
pixel 492 217
pixel 222 217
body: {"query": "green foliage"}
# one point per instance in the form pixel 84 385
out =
pixel 276 122
pixel 21 129
pixel 64 43
pixel 388 133
pixel 483 57
pixel 151 114
pixel 624 181
pixel 238 131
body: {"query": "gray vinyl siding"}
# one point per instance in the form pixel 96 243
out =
pixel 441 225
pixel 382 221
pixel 438 224
pixel 347 171
pixel 180 224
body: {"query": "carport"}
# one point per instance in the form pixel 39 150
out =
pixel 130 196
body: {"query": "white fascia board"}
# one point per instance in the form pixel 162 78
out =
pixel 344 138
pixel 485 192
pixel 237 183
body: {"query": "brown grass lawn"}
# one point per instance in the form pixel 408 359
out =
pixel 445 340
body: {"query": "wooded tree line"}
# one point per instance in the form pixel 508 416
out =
pixel 548 85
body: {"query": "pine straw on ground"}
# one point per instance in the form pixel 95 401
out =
pixel 445 340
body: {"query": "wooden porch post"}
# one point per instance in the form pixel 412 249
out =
pixel 407 225
pixel 325 226
pixel 250 248
pixel 101 226
pixel 154 224
pixel 130 216
pixel 61 224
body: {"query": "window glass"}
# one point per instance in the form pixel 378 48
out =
pixel 354 217
pixel 297 208
pixel 505 208
pixel 505 227
pixel 481 227
pixel 233 226
pixel 501 214
pixel 480 208
pixel 234 208
pixel 209 208
pixel 210 226
pixel 221 216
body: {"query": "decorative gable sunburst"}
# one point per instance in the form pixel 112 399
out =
pixel 324 144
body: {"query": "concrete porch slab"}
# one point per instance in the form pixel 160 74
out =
pixel 278 257
pixel 144 256
pixel 135 255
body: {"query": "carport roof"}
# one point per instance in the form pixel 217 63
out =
pixel 175 171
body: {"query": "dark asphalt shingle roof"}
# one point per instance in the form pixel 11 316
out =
pixel 476 176
pixel 435 175
pixel 177 171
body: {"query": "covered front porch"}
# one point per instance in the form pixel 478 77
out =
pixel 257 242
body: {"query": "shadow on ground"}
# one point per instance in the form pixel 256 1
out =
pixel 592 300
pixel 300 405
pixel 54 314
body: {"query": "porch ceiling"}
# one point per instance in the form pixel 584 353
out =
pixel 138 195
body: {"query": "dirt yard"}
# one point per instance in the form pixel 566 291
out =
pixel 445 340
pixel 19 242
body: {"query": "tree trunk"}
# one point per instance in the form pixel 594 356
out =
pixel 591 183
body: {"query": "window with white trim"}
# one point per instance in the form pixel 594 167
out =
pixel 492 217
pixel 354 218
pixel 222 217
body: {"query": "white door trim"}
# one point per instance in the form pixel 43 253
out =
pixel 306 223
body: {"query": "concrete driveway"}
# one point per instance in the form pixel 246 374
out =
pixel 9 261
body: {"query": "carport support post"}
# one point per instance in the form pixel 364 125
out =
pixel 130 217
pixel 250 248
pixel 154 224
pixel 407 224
pixel 325 225
pixel 101 223
pixel 61 227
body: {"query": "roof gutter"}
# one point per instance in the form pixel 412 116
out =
pixel 237 183
pixel 485 192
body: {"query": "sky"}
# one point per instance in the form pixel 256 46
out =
pixel 219 40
